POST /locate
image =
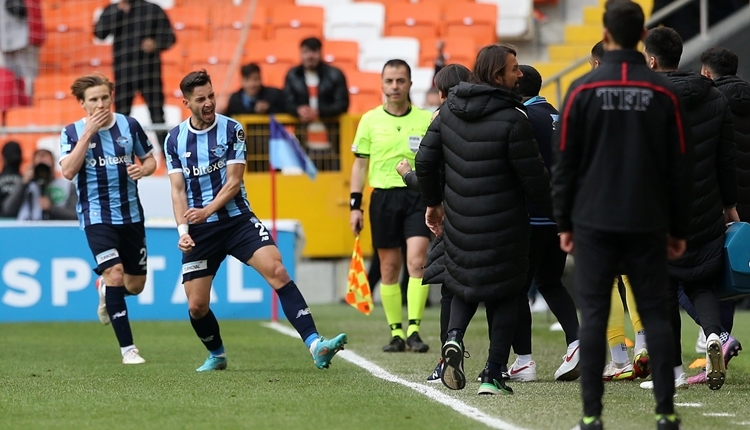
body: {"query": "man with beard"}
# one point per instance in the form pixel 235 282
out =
pixel 206 160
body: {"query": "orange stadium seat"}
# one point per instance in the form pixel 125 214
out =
pixel 59 49
pixel 365 91
pixel 273 75
pixel 53 86
pixel 189 23
pixel 203 54
pixel 171 88
pixel 202 3
pixel 385 2
pixel 412 20
pixel 227 23
pixel 71 15
pixel 475 20
pixel 295 22
pixel 341 53
pixel 31 116
pixel 277 51
pixel 174 60
pixel 28 143
pixel 94 58
pixel 461 50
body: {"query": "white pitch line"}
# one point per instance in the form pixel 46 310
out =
pixel 718 414
pixel 689 405
pixel 440 397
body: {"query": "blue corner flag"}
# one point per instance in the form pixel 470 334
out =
pixel 285 152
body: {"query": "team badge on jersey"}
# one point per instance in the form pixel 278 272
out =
pixel 219 150
pixel 123 141
pixel 241 135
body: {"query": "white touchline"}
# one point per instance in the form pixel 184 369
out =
pixel 377 371
pixel 689 405
pixel 718 414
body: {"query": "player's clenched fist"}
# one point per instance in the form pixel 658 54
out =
pixel 185 243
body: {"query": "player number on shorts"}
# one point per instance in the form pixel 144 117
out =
pixel 262 231
pixel 142 261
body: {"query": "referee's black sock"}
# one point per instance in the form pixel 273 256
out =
pixel 114 297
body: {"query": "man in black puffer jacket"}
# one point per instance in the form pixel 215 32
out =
pixel 491 164
pixel 622 184
pixel 698 271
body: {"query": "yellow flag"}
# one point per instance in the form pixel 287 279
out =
pixel 358 288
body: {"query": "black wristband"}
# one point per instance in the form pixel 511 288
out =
pixel 355 202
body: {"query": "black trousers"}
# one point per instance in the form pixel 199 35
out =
pixel 546 267
pixel 701 294
pixel 501 323
pixel 147 81
pixel 599 257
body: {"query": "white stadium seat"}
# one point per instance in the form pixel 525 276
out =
pixel 514 18
pixel 375 52
pixel 356 21
pixel 421 79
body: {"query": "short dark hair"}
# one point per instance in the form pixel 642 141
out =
pixel 311 43
pixel 194 79
pixel 80 85
pixel 598 50
pixel 450 76
pixel 531 82
pixel 624 20
pixel 490 63
pixel 721 61
pixel 664 44
pixel 397 63
pixel 249 69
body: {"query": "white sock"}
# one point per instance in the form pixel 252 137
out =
pixel 313 345
pixel 574 344
pixel 125 349
pixel 524 359
pixel 640 341
pixel 713 337
pixel 678 370
pixel 619 353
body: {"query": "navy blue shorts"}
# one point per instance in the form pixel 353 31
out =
pixel 118 243
pixel 239 237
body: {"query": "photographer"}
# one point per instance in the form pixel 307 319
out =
pixel 39 195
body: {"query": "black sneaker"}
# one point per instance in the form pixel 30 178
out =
pixel 453 375
pixel 493 386
pixel 593 425
pixel 668 422
pixel 484 373
pixel 395 345
pixel 414 343
pixel 435 376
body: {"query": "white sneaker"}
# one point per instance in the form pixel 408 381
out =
pixel 568 370
pixel 618 372
pixel 700 344
pixel 716 370
pixel 680 383
pixel 102 309
pixel 132 357
pixel 525 373
pixel 556 327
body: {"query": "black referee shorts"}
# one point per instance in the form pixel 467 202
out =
pixel 396 214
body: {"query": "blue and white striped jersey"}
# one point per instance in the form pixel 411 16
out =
pixel 106 194
pixel 202 156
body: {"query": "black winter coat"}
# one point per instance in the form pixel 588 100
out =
pixel 333 94
pixel 737 93
pixel 491 161
pixel 715 177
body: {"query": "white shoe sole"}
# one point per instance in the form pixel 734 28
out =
pixel 453 375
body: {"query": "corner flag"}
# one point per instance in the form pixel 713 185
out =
pixel 286 153
pixel 358 288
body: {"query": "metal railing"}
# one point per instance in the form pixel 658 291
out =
pixel 653 21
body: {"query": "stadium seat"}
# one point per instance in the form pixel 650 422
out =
pixel 459 50
pixel 356 21
pixel 203 54
pixel 341 53
pixel 295 23
pixel 202 3
pixel 421 78
pixel 227 22
pixel 474 20
pixel 189 23
pixel 92 58
pixel 361 103
pixel 273 75
pixel 71 15
pixel 365 91
pixel 53 86
pixel 277 51
pixel 514 17
pixel 174 58
pixel 412 20
pixel 59 49
pixel 376 52
pixel 384 2
pixel 31 116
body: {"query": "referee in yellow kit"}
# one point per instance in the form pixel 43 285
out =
pixel 385 136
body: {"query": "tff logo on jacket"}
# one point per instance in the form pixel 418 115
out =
pixel 625 98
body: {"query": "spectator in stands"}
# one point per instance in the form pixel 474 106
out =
pixel 254 97
pixel 21 38
pixel 10 176
pixel 698 272
pixel 141 32
pixel 41 195
pixel 315 90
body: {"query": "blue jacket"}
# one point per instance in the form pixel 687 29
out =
pixel 544 119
